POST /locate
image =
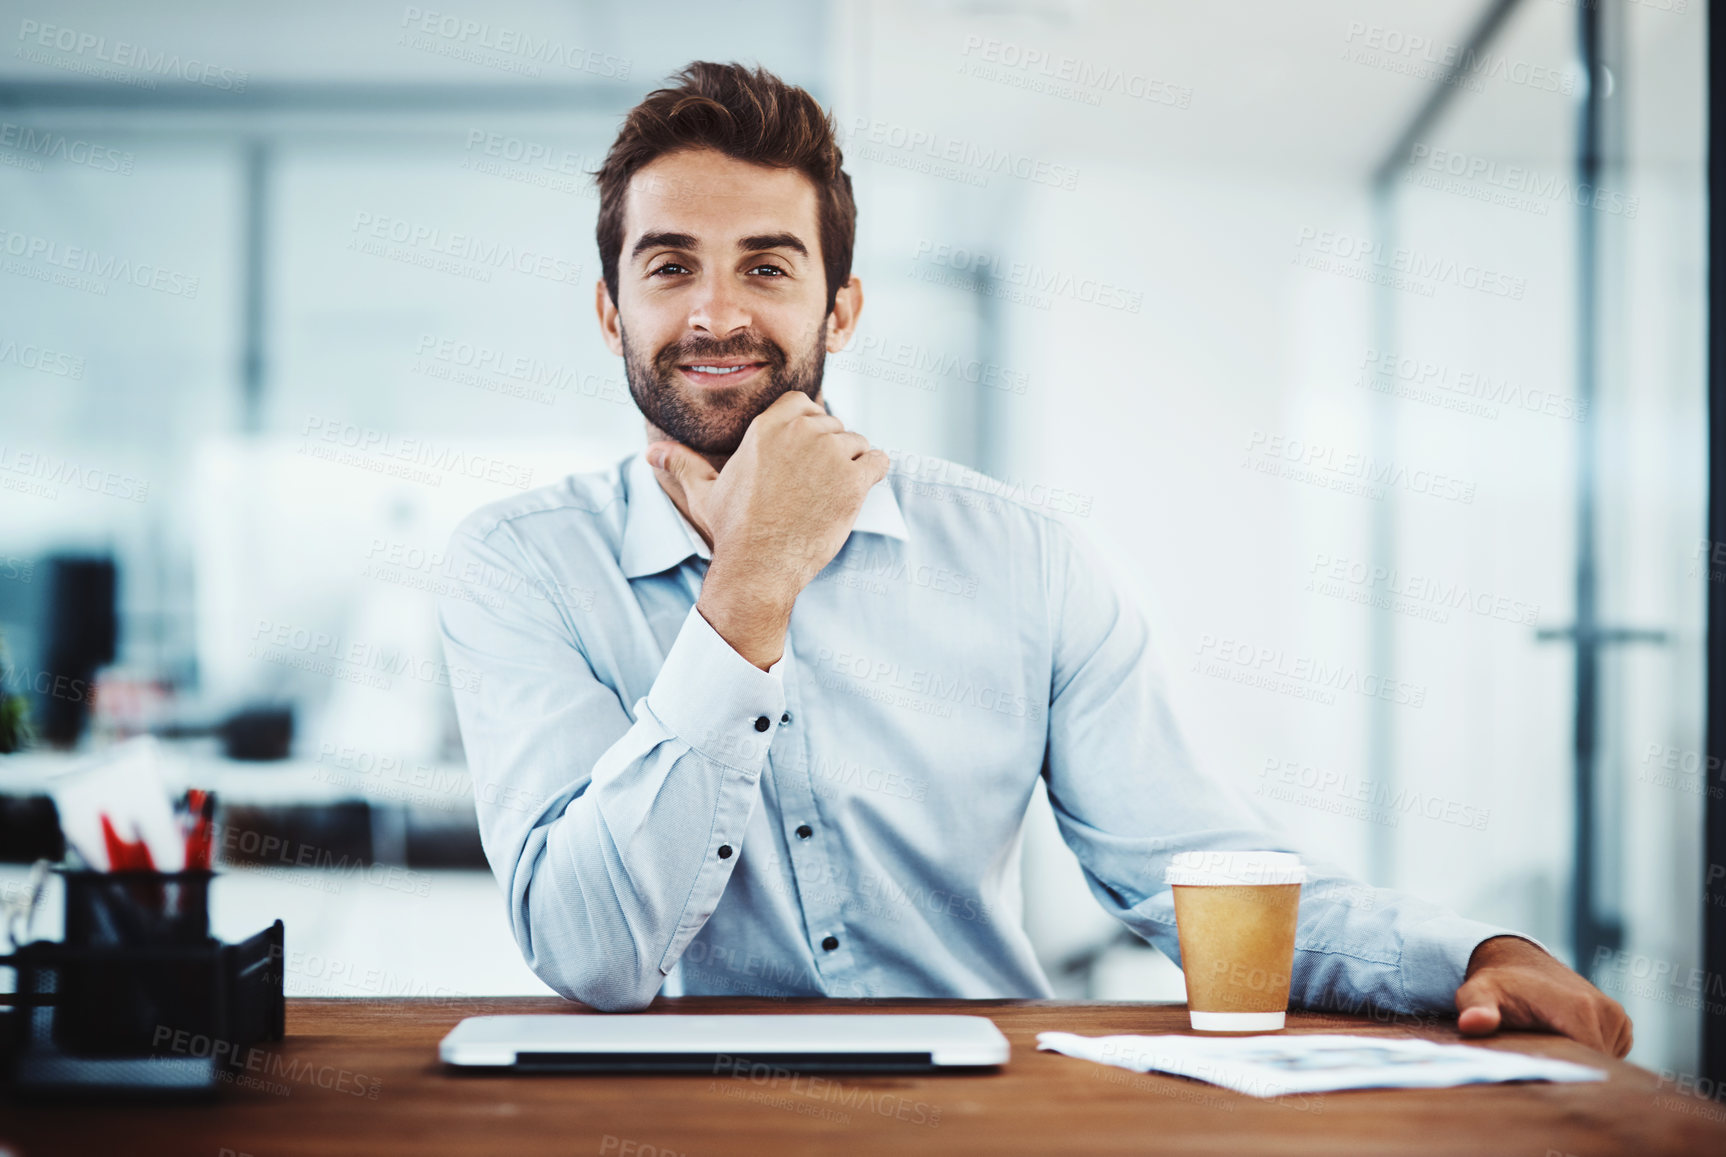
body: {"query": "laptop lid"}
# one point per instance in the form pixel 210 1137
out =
pixel 723 1044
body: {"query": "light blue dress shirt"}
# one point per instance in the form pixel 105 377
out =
pixel 848 823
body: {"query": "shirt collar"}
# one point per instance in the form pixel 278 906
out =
pixel 656 536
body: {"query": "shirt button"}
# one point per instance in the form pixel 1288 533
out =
pixel 785 718
pixel 725 851
pixel 762 723
pixel 804 831
pixel 830 943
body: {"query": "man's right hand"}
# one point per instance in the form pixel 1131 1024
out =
pixel 775 515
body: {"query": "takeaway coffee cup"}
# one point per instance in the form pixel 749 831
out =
pixel 1235 914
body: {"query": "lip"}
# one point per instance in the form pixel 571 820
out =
pixel 719 381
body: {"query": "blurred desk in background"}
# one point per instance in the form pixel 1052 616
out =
pixel 375 867
pixel 358 1077
pixel 383 809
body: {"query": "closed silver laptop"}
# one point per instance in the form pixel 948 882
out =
pixel 724 1045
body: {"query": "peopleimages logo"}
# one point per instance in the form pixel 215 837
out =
pixel 91 49
pixel 231 1055
pixel 1463 389
pixel 1421 595
pixel 987 160
pixel 1362 257
pixel 993 270
pixel 29 356
pixel 104 266
pixel 870 355
pixel 534 378
pixel 1072 76
pixel 38 144
pixel 20 680
pixel 1348 471
pixel 931 477
pixel 39 473
pixel 528 162
pixel 1382 803
pixel 415 459
pixel 1410 52
pixel 459 577
pixel 522 50
pixel 1274 669
pixel 916 688
pixel 436 241
pixel 1516 181
pixel 351 660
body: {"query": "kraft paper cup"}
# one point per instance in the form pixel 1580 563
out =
pixel 1235 914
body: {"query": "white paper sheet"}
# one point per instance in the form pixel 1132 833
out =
pixel 125 783
pixel 1274 1066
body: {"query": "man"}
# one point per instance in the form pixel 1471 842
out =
pixel 766 710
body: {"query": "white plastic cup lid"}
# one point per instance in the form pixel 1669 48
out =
pixel 1225 869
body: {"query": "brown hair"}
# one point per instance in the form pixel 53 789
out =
pixel 749 115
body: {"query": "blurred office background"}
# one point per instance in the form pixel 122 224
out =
pixel 1365 340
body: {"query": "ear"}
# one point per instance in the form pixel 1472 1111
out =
pixel 610 324
pixel 842 322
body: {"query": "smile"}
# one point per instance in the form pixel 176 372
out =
pixel 715 374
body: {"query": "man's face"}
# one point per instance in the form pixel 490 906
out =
pixel 721 297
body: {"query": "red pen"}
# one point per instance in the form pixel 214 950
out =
pixel 116 848
pixel 133 856
pixel 125 855
pixel 198 839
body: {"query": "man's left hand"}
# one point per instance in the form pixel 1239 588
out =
pixel 1512 983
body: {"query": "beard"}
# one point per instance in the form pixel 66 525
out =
pixel 713 420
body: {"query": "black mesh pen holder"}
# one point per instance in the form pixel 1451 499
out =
pixel 135 909
pixel 138 998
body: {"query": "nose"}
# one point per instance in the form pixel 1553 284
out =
pixel 719 308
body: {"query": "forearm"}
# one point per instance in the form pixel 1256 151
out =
pixel 605 827
pixel 605 898
pixel 1506 948
pixel 749 608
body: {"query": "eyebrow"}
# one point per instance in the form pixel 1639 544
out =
pixel 662 241
pixel 687 242
pixel 774 241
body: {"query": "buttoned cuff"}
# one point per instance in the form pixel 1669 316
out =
pixel 716 701
pixel 1435 957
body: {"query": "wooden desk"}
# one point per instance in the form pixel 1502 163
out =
pixel 360 1077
